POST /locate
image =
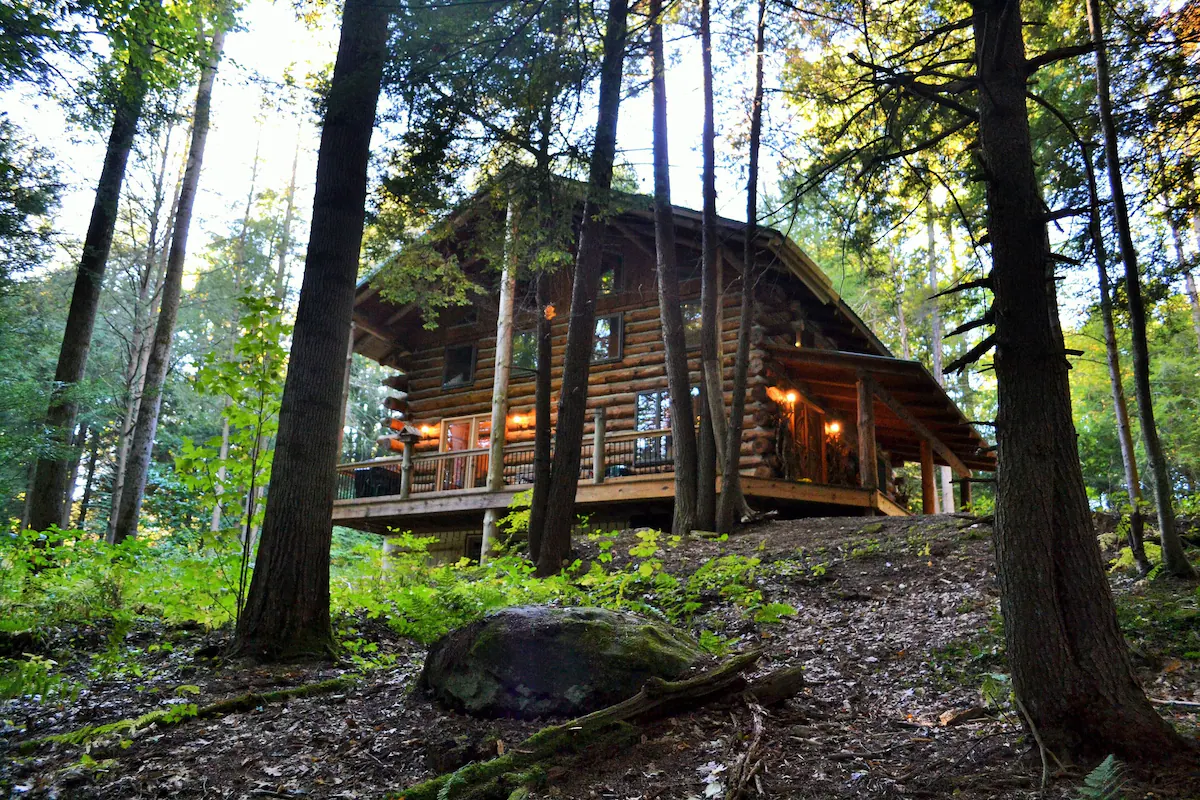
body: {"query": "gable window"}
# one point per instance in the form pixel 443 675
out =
pixel 610 275
pixel 460 366
pixel 524 353
pixel 606 346
pixel 691 324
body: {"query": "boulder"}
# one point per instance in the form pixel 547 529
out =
pixel 533 661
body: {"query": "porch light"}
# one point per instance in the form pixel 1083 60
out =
pixel 793 396
pixel 833 428
pixel 428 430
pixel 519 420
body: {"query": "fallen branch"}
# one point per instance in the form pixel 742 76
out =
pixel 1179 703
pixel 748 765
pixel 177 714
pixel 504 775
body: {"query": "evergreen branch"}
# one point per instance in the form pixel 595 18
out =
pixel 1032 65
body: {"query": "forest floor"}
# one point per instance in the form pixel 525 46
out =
pixel 896 625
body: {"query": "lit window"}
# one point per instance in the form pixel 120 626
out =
pixel 460 366
pixel 610 275
pixel 607 344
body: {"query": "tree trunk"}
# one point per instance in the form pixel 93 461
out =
pixel 732 503
pixel 287 609
pixel 285 235
pixel 149 285
pixel 935 343
pixel 1137 522
pixel 670 307
pixel 1189 282
pixel 706 465
pixel 77 443
pixel 541 413
pixel 89 480
pixel 501 372
pixel 1174 560
pixel 710 290
pixel 140 449
pixel 49 479
pixel 901 318
pixel 1070 666
pixel 572 399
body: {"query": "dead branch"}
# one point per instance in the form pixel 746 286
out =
pixel 985 283
pixel 988 318
pixel 971 356
pixel 1032 65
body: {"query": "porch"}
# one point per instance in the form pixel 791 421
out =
pixel 622 475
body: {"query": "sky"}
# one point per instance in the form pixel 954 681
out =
pixel 272 42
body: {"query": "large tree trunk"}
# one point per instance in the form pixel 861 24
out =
pixel 287 610
pixel 706 465
pixel 935 342
pixel 732 502
pixel 670 308
pixel 77 443
pixel 140 449
pixel 285 234
pixel 710 289
pixel 50 474
pixel 1070 666
pixel 572 399
pixel 1174 560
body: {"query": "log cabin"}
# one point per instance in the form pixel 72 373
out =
pixel 830 412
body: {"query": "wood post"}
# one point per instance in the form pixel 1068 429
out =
pixel 964 492
pixel 598 446
pixel 406 468
pixel 868 470
pixel 928 488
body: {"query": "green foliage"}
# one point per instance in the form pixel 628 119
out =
pixel 1105 782
pixel 34 676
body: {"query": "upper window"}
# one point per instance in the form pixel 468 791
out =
pixel 691 324
pixel 524 353
pixel 606 346
pixel 652 411
pixel 460 366
pixel 610 275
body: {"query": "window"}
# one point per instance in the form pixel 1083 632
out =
pixel 606 346
pixel 524 353
pixel 460 366
pixel 691 324
pixel 610 275
pixel 652 412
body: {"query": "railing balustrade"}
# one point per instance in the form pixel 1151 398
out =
pixel 623 454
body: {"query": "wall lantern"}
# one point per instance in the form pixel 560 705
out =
pixel 833 428
pixel 428 430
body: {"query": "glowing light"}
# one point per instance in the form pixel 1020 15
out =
pixel 518 420
pixel 793 396
pixel 833 428
pixel 428 430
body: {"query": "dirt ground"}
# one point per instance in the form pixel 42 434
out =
pixel 896 626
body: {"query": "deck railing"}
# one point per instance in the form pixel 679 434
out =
pixel 621 454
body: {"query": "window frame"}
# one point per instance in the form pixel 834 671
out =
pixel 446 385
pixel 618 331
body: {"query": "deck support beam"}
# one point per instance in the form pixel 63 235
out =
pixel 598 434
pixel 928 487
pixel 868 470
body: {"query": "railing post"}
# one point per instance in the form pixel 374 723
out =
pixel 598 447
pixel 406 468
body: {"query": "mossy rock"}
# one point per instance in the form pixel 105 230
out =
pixel 534 661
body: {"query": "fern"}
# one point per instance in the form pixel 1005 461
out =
pixel 1104 782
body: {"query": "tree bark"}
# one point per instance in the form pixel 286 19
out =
pixel 935 342
pixel 1070 666
pixel 503 368
pixel 710 290
pixel 732 503
pixel 670 307
pixel 89 480
pixel 1174 560
pixel 706 464
pixel 287 609
pixel 77 443
pixel 541 414
pixel 572 399
pixel 140 449
pixel 49 479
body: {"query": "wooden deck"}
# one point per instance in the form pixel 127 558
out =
pixel 615 497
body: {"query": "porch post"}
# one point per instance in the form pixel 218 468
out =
pixel 964 491
pixel 502 369
pixel 868 470
pixel 928 488
pixel 598 446
pixel 406 467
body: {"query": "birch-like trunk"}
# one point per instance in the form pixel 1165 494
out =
pixel 935 332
